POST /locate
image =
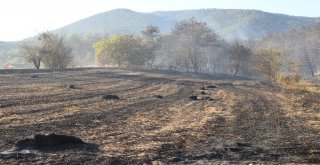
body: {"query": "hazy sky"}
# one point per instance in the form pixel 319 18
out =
pixel 24 18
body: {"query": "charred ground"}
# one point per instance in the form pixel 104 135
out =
pixel 240 121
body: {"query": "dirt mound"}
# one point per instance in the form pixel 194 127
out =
pixel 207 98
pixel 211 86
pixel 203 92
pixel 158 96
pixel 193 97
pixel 34 76
pixel 111 97
pixel 44 141
pixel 200 98
pixel 72 87
pixel 203 88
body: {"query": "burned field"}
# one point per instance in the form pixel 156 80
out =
pixel 126 117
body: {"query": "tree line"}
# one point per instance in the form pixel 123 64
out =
pixel 191 46
pixel 47 48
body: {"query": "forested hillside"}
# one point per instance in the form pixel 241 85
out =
pixel 229 23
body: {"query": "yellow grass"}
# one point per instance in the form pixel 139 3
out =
pixel 73 108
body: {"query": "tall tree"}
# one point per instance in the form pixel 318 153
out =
pixel 150 40
pixel 47 48
pixel 192 38
pixel 31 53
pixel 239 58
pixel 57 54
pixel 268 64
pixel 122 49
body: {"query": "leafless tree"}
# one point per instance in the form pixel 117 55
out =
pixel 47 48
pixel 239 58
pixel 57 53
pixel 150 39
pixel 30 51
pixel 193 38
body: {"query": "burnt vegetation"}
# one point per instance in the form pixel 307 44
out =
pixel 160 118
pixel 188 96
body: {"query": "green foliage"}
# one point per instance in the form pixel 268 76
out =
pixel 268 64
pixel 122 49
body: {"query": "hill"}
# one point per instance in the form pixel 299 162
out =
pixel 230 23
pixel 8 53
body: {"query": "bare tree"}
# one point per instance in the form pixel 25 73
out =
pixel 31 53
pixel 308 63
pixel 150 40
pixel 239 58
pixel 57 53
pixel 193 37
pixel 48 48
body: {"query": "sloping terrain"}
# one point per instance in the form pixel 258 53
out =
pixel 229 23
pixel 238 121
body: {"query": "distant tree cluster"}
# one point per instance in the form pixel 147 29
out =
pixel 128 50
pixel 122 50
pixel 303 46
pixel 49 49
pixel 191 46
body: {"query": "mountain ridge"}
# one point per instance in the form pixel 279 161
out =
pixel 167 19
pixel 229 23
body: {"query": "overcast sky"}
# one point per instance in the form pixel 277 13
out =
pixel 24 18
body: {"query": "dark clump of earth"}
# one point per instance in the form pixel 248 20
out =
pixel 45 141
pixel 111 97
pixel 72 87
pixel 193 97
pixel 203 88
pixel 34 76
pixel 211 86
pixel 207 98
pixel 158 96
pixel 203 92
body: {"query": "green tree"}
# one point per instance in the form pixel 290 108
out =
pixel 102 56
pixel 125 50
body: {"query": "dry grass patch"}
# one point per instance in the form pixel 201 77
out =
pixel 73 108
pixel 11 118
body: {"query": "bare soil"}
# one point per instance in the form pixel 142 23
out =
pixel 239 121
